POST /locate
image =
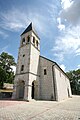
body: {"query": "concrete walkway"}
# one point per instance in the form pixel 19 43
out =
pixel 40 110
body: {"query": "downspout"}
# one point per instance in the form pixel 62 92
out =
pixel 54 83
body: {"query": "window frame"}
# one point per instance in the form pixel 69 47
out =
pixel 23 55
pixel 45 72
pixel 37 43
pixel 33 39
pixel 23 41
pixel 28 39
pixel 22 68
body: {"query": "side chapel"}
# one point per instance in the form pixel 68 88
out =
pixel 38 77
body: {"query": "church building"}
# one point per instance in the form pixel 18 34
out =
pixel 38 77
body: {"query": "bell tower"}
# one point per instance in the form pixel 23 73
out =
pixel 27 65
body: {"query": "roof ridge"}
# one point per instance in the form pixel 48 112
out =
pixel 29 28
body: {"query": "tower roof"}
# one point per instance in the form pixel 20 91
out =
pixel 29 28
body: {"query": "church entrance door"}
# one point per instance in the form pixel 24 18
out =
pixel 34 89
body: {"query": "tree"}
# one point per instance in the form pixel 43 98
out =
pixel 6 73
pixel 74 77
pixel 2 76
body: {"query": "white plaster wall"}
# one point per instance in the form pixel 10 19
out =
pixel 36 91
pixel 36 39
pixel 23 60
pixel 28 79
pixel 31 65
pixel 22 77
pixel 46 81
pixel 25 36
pixel 34 60
pixel 61 84
pixel 68 86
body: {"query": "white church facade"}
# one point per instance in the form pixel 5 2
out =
pixel 36 76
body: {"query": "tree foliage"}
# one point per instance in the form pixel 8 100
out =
pixel 6 72
pixel 74 77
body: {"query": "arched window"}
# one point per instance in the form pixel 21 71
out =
pixel 37 43
pixel 28 39
pixel 22 67
pixel 34 40
pixel 23 55
pixel 45 72
pixel 23 41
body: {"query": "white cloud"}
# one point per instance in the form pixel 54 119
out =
pixel 66 3
pixel 3 34
pixel 68 43
pixel 72 13
pixel 60 25
pixel 15 20
pixel 59 55
pixel 53 11
pixel 78 52
pixel 39 22
pixel 78 67
pixel 63 67
pixel 4 49
pixel 14 69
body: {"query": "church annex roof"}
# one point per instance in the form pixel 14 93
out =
pixel 47 59
pixel 29 28
pixel 54 63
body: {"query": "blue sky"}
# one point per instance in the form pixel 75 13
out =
pixel 57 23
